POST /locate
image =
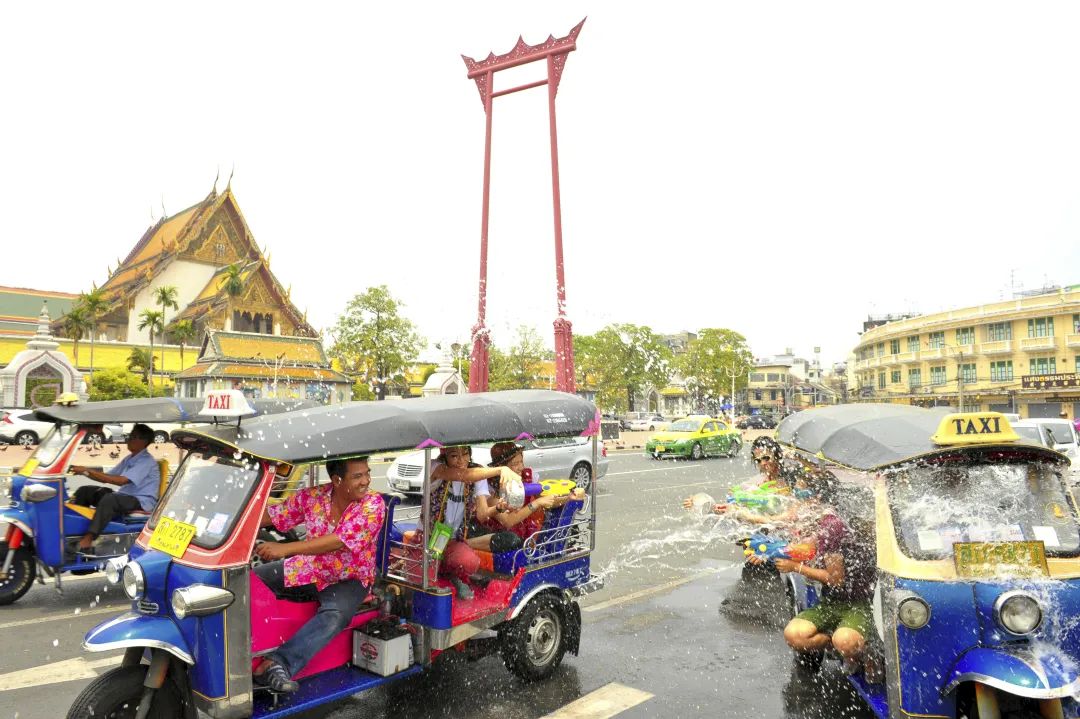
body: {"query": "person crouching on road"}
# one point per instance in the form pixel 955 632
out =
pixel 845 567
pixel 335 565
pixel 456 482
pixel 137 477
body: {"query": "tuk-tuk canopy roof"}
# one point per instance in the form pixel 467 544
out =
pixel 361 428
pixel 169 410
pixel 872 436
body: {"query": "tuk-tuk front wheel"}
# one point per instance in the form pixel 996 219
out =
pixel 534 643
pixel 116 695
pixel 20 576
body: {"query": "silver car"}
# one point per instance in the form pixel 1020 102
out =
pixel 558 458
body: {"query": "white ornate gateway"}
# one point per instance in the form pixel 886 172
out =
pixel 40 373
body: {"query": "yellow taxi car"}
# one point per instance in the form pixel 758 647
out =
pixel 695 438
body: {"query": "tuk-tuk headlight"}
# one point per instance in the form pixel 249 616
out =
pixel 134 581
pixel 913 612
pixel 199 600
pixel 114 568
pixel 38 492
pixel 1018 612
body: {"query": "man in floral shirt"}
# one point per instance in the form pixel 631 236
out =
pixel 335 564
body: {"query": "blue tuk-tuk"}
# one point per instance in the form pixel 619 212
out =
pixel 978 558
pixel 200 618
pixel 40 527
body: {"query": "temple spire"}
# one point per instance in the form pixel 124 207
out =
pixel 43 340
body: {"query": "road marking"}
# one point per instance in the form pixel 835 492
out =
pixel 648 591
pixel 605 702
pixel 57 672
pixel 696 484
pixel 643 471
pixel 114 609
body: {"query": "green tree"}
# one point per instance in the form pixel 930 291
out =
pixel 116 383
pixel 623 360
pixel 76 324
pixel 707 363
pixel 521 366
pixel 141 361
pixel 183 332
pixel 164 297
pixel 152 321
pixel 232 281
pixel 373 341
pixel 93 304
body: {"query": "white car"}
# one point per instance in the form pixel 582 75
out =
pixel 162 431
pixel 650 423
pixel 16 429
pixel 1064 436
pixel 557 458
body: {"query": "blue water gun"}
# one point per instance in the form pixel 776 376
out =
pixel 770 548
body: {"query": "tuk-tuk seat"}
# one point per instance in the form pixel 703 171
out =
pixel 135 516
pixel 554 541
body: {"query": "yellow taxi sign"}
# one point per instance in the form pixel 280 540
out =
pixel 172 537
pixel 974 428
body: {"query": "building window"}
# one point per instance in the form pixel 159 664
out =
pixel 965 336
pixel 1041 327
pixel 1042 365
pixel 999 331
pixel 1001 371
pixel 1076 324
pixel 967 373
pixel 880 349
pixel 937 375
pixel 772 395
pixel 913 344
pixel 895 379
pixel 757 377
pixel 936 340
pixel 1076 364
pixel 773 377
pixel 914 378
pixel 881 380
pixel 757 395
pixel 894 347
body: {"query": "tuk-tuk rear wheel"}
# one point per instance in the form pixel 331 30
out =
pixel 116 694
pixel 20 577
pixel 534 644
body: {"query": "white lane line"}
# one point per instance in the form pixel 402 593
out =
pixel 649 591
pixel 695 484
pixel 114 609
pixel 605 702
pixel 62 671
pixel 643 471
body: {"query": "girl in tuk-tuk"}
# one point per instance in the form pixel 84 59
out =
pixel 456 481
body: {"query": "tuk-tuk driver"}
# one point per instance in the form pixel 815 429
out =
pixel 137 479
pixel 335 565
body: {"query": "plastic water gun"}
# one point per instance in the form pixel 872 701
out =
pixel 549 488
pixel 765 496
pixel 770 548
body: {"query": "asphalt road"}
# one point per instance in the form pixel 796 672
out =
pixel 655 643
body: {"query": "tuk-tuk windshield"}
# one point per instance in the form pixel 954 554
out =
pixel 209 491
pixel 934 507
pixel 53 443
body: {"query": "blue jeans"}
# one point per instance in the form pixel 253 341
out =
pixel 338 603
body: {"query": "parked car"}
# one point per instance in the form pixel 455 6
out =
pixel 649 423
pixel 1064 436
pixel 15 429
pixel 560 458
pixel 757 421
pixel 162 432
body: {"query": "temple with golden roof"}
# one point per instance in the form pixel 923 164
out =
pixel 222 279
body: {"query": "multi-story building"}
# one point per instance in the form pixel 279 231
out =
pixel 784 383
pixel 1020 355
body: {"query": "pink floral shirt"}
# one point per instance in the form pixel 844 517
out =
pixel 358 528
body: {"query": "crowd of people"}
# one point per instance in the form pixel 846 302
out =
pixel 843 564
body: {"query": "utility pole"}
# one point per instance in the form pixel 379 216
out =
pixel 960 379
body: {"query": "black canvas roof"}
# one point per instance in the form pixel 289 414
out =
pixel 152 410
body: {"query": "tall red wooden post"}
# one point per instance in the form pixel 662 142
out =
pixel 554 52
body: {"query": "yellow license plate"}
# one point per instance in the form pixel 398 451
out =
pixel 172 537
pixel 660 448
pixel 997 559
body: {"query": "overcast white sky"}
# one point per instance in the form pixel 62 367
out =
pixel 780 168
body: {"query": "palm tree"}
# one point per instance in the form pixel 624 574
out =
pixel 142 362
pixel 75 324
pixel 151 320
pixel 166 297
pixel 233 284
pixel 93 303
pixel 183 332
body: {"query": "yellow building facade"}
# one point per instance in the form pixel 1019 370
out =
pixel 1020 355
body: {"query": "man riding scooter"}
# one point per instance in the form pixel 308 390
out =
pixel 137 477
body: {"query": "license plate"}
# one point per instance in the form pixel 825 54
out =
pixel 660 448
pixel 172 537
pixel 997 559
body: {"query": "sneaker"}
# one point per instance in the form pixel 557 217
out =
pixel 461 588
pixel 277 679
